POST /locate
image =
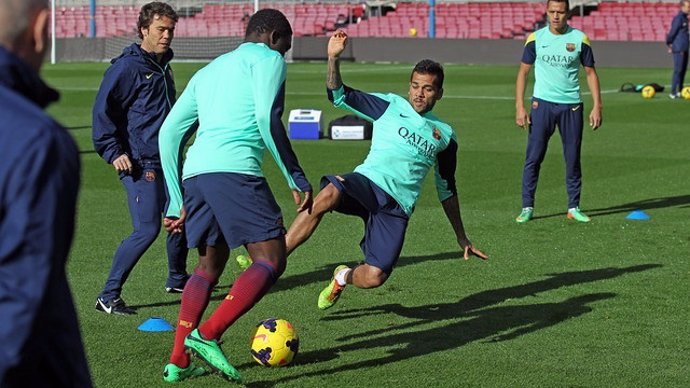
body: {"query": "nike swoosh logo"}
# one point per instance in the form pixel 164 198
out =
pixel 545 46
pixel 148 76
pixel 403 116
pixel 576 108
pixel 107 309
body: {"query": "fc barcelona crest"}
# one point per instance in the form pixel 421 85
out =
pixel 570 47
pixel 436 134
pixel 150 176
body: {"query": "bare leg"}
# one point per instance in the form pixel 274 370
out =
pixel 273 251
pixel 212 260
pixel 305 224
pixel 366 276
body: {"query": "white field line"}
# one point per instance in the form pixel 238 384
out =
pixel 459 97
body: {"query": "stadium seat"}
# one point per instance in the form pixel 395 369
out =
pixel 640 21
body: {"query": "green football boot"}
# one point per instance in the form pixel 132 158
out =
pixel 173 373
pixel 525 215
pixel 244 261
pixel 331 293
pixel 210 353
pixel 577 215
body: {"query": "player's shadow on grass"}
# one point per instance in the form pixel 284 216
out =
pixel 287 282
pixel 325 272
pixel 645 204
pixel 446 326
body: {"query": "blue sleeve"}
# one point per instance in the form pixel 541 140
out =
pixel 444 171
pixel 529 54
pixel 113 100
pixel 37 225
pixel 365 105
pixel 675 28
pixel 586 54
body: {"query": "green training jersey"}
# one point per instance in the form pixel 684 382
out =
pixel 404 146
pixel 557 60
pixel 237 101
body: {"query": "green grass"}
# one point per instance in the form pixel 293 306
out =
pixel 559 304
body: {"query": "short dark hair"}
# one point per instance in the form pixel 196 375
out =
pixel 428 66
pixel 567 3
pixel 149 11
pixel 267 20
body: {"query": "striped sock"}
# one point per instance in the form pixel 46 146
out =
pixel 195 298
pixel 248 289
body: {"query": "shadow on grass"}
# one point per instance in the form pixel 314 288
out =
pixel 322 274
pixel 645 204
pixel 220 290
pixel 325 272
pixel 473 318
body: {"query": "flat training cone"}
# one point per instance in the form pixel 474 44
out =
pixel 155 324
pixel 638 215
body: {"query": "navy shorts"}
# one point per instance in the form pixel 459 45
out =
pixel 385 221
pixel 237 209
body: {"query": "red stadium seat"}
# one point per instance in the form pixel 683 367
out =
pixel 610 21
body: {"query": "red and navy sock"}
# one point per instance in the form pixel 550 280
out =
pixel 248 289
pixel 195 297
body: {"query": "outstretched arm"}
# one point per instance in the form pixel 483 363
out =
pixel 336 45
pixel 451 207
pixel 444 172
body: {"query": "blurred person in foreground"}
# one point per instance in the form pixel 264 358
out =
pixel 556 52
pixel 39 181
pixel 136 94
pixel 238 101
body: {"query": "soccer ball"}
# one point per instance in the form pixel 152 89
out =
pixel 685 93
pixel 274 342
pixel 648 91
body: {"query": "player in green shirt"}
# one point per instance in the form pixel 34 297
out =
pixel 408 141
pixel 237 101
pixel 556 51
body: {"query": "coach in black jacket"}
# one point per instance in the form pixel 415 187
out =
pixel 136 94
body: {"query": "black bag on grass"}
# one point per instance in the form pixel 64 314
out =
pixel 350 127
pixel 636 88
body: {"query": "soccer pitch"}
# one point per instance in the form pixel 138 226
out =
pixel 558 304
